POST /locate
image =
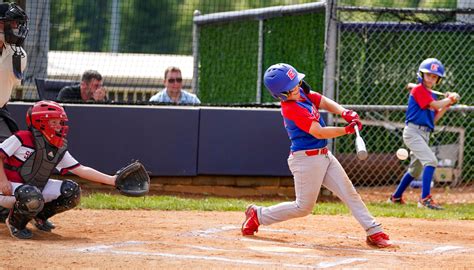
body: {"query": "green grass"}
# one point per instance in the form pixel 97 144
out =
pixel 168 203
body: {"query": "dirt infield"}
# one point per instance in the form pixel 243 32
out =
pixel 183 240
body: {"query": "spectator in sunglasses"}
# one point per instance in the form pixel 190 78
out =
pixel 173 92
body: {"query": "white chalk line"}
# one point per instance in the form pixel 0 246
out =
pixel 214 233
pixel 110 249
pixel 433 248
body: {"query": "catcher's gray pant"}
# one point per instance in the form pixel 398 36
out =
pixel 51 191
pixel 309 173
pixel 417 140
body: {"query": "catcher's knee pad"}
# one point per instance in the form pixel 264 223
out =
pixel 29 200
pixel 69 198
pixel 70 195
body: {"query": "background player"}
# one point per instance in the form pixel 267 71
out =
pixel 13 31
pixel 29 157
pixel 422 113
pixel 310 162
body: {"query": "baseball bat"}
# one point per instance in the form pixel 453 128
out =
pixel 412 85
pixel 360 145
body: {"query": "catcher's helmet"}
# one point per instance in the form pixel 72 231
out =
pixel 433 66
pixel 38 117
pixel 281 78
pixel 14 34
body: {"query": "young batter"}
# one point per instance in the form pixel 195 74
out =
pixel 422 113
pixel 310 161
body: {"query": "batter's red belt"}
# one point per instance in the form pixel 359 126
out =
pixel 312 152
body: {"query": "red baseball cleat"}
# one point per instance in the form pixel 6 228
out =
pixel 394 200
pixel 380 240
pixel 250 225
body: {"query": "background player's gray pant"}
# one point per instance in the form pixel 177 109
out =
pixel 310 172
pixel 421 155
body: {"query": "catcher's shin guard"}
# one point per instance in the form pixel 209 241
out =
pixel 29 202
pixel 16 232
pixel 69 198
pixel 44 224
pixel 3 214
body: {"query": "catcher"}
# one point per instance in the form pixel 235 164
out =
pixel 31 156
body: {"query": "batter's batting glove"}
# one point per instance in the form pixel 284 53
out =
pixel 350 128
pixel 454 97
pixel 350 115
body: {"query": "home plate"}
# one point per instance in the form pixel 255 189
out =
pixel 278 249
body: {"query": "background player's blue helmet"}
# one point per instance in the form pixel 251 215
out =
pixel 433 66
pixel 281 78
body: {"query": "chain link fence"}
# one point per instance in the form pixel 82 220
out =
pixel 379 51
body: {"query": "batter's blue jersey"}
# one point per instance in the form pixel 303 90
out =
pixel 298 117
pixel 419 111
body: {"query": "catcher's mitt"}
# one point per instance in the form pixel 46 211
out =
pixel 133 180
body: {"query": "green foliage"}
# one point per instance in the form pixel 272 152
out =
pixel 80 25
pixel 151 27
pixel 172 203
pixel 160 27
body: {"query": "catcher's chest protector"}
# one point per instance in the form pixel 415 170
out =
pixel 39 166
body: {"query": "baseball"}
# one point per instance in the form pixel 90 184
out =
pixel 402 154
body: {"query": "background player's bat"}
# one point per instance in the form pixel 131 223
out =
pixel 412 85
pixel 360 145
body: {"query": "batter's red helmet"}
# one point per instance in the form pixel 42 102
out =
pixel 281 78
pixel 38 116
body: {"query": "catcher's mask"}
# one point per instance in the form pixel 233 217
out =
pixel 39 117
pixel 15 23
pixel 433 66
pixel 281 78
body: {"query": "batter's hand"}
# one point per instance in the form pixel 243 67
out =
pixel 350 128
pixel 453 96
pixel 350 115
pixel 6 188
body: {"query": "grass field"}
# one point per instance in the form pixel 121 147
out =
pixel 175 203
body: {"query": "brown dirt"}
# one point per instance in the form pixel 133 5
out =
pixel 212 240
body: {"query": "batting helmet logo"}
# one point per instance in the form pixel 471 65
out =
pixel 434 67
pixel 291 74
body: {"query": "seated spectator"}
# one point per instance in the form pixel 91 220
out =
pixel 173 92
pixel 90 89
